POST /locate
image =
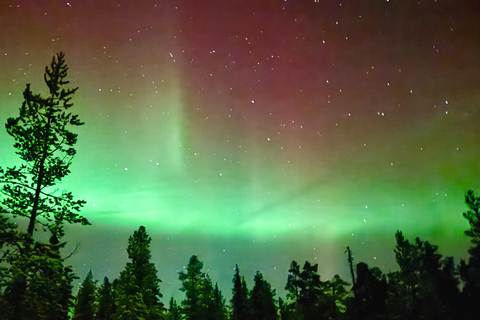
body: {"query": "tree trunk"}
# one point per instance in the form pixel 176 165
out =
pixel 33 215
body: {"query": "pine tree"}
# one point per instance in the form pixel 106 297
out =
pixel 311 290
pixel 130 306
pixel 106 302
pixel 293 281
pixel 173 311
pixel 138 285
pixel 39 285
pixel 371 292
pixel 219 304
pixel 192 285
pixel 45 144
pixel 262 301
pixel 283 309
pixel 203 301
pixel 290 308
pixel 85 305
pixel 335 298
pixel 415 288
pixel 211 304
pixel 239 297
pixel 470 272
pixel 307 293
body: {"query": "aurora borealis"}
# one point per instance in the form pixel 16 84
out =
pixel 257 132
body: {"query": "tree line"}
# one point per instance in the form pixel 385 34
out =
pixel 426 286
pixel 36 282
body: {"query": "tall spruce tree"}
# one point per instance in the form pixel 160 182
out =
pixel 262 300
pixel 203 301
pixel 106 302
pixel 239 297
pixel 192 284
pixel 137 289
pixel 219 310
pixel 211 301
pixel 36 284
pixel 85 307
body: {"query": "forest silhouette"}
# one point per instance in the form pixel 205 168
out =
pixel 35 282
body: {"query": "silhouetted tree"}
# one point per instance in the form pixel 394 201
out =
pixel 45 144
pixel 35 283
pixel 335 297
pixel 219 310
pixel 130 306
pixel 308 294
pixel 211 301
pixel 311 289
pixel 283 309
pixel 415 288
pixel 352 304
pixel 448 289
pixel 106 302
pixel 293 281
pixel 202 300
pixel 291 309
pixel 262 301
pixel 85 304
pixel 350 263
pixel 371 292
pixel 313 299
pixel 173 311
pixel 192 285
pixel 470 272
pixel 138 285
pixel 239 297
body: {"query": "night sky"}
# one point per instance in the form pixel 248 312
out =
pixel 258 131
